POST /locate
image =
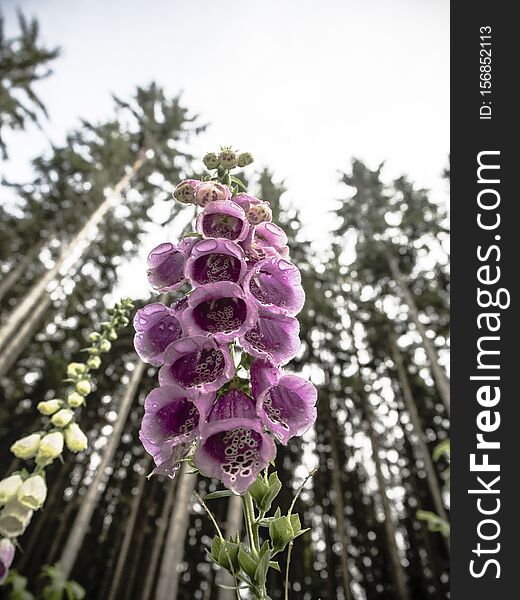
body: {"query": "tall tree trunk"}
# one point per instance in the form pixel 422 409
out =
pixel 443 384
pixel 424 452
pixel 233 526
pixel 173 553
pixel 396 568
pixel 88 504
pixel 12 277
pixel 159 540
pixel 339 507
pixel 129 532
pixel 17 344
pixel 75 248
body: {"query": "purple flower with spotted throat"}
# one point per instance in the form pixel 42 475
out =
pixel 221 309
pixel 223 219
pixel 286 404
pixel 170 425
pixel 197 364
pixel 156 326
pixel 234 446
pixel 166 264
pixel 275 337
pixel 215 260
pixel 276 283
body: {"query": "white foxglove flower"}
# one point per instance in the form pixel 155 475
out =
pixel 50 447
pixel 26 447
pixel 62 418
pixel 14 519
pixel 49 407
pixel 9 488
pixel 75 439
pixel 32 492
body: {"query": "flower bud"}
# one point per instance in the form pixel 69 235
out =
pixel 74 369
pixel 14 519
pixel 259 213
pixel 74 399
pixel 62 418
pixel 211 161
pixel 94 362
pixel 75 439
pixel 105 346
pixel 49 407
pixel 112 334
pixel 27 446
pixel 244 159
pixel 32 492
pixel 9 488
pixel 94 336
pixel 50 447
pixel 83 387
pixel 93 350
pixel 6 558
pixel 227 159
pixel 185 191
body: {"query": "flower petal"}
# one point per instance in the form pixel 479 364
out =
pixel 156 326
pixel 220 309
pixel 285 403
pixel 234 447
pixel 223 219
pixel 215 260
pixel 274 337
pixel 197 364
pixel 276 283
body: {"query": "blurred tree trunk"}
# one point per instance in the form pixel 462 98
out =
pixel 339 506
pixel 88 504
pixel 159 540
pixel 396 568
pixel 12 277
pixel 443 384
pixel 411 407
pixel 129 532
pixel 76 246
pixel 233 526
pixel 22 336
pixel 169 574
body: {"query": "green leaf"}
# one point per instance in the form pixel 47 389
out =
pixel 262 568
pixel 247 562
pixel 219 494
pixel 275 565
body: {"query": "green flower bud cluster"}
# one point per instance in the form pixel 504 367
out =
pixel 22 493
pixel 250 562
pixel 227 159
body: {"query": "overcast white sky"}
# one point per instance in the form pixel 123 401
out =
pixel 304 85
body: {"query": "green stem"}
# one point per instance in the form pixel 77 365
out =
pixel 251 525
pixel 289 552
pixel 219 533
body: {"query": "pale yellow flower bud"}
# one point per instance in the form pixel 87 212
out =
pixel 27 446
pixel 83 387
pixel 74 369
pixel 49 407
pixel 32 492
pixel 9 488
pixel 50 447
pixel 105 346
pixel 14 519
pixel 75 439
pixel 62 418
pixel 74 399
pixel 94 362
